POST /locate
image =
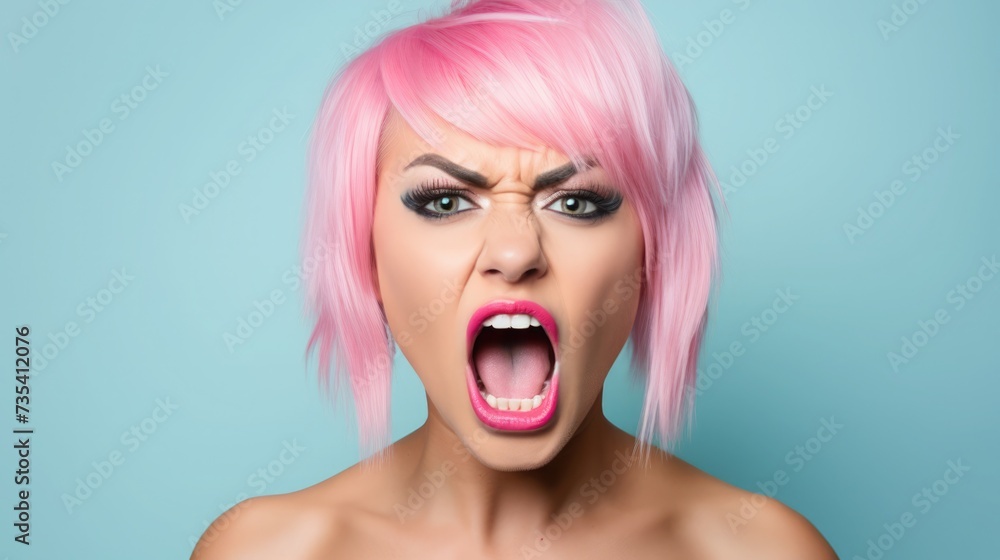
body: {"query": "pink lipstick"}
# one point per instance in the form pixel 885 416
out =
pixel 512 370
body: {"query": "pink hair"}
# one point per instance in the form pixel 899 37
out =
pixel 585 77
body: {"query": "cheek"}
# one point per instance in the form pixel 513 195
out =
pixel 600 290
pixel 420 274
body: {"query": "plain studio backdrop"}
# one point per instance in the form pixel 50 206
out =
pixel 153 175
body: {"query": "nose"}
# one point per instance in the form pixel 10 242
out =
pixel 512 246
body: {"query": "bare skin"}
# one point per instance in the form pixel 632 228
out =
pixel 454 488
pixel 669 510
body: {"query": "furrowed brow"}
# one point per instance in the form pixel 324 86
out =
pixel 468 176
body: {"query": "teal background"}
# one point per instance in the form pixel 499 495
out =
pixel 824 357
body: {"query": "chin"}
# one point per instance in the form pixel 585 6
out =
pixel 515 450
pixel 510 452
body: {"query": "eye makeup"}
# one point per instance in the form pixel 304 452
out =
pixel 418 198
pixel 439 198
pixel 605 200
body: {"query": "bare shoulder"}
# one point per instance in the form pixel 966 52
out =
pixel 764 527
pixel 724 521
pixel 300 524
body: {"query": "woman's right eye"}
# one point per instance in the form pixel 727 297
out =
pixel 436 203
pixel 448 204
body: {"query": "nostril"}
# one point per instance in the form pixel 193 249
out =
pixel 525 275
pixel 514 256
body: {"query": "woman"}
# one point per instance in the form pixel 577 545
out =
pixel 507 193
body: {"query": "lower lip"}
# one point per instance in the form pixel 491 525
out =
pixel 513 420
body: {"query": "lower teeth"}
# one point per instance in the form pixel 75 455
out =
pixel 503 403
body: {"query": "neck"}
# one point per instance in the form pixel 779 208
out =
pixel 488 502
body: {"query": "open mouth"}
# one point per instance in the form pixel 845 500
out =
pixel 512 371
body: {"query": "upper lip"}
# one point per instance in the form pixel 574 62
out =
pixel 511 307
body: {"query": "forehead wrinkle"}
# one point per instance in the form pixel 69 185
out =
pixel 496 163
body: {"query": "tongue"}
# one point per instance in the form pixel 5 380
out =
pixel 512 363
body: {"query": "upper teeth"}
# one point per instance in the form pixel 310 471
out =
pixel 504 321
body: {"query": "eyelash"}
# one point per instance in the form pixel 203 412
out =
pixel 606 200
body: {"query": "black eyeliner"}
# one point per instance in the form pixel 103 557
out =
pixel 607 200
pixel 604 198
pixel 417 198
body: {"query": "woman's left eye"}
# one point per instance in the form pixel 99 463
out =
pixel 576 206
pixel 587 205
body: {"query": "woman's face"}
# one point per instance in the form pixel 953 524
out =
pixel 469 224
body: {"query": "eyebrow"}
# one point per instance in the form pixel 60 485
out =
pixel 468 176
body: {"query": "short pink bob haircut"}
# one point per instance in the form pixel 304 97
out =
pixel 585 77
